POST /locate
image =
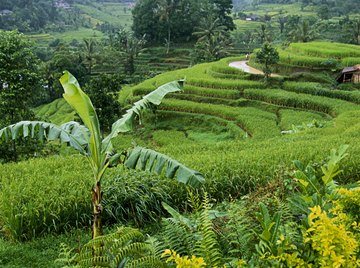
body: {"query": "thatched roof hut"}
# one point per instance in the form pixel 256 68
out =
pixel 350 75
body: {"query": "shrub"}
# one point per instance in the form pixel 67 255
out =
pixel 134 197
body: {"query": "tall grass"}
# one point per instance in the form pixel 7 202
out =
pixel 43 196
pixel 290 118
pixel 303 101
pixel 326 49
pixel 318 90
pixel 251 120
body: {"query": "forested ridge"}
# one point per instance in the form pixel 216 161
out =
pixel 333 7
pixel 42 15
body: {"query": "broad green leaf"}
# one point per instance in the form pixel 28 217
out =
pixel 177 216
pixel 81 103
pixel 146 159
pixel 76 135
pixel 276 220
pixel 126 123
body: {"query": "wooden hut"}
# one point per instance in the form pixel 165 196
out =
pixel 350 75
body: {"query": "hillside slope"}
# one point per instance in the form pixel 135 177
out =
pixel 230 125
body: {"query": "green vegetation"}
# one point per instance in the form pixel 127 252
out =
pixel 267 56
pixel 88 141
pixel 317 56
pixel 278 160
pixel 27 212
pixel 221 110
pixel 117 14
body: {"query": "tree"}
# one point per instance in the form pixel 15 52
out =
pixel 263 34
pixel 129 47
pixel 323 12
pixel 165 9
pixel 146 21
pixel 222 9
pixel 282 21
pixel 88 140
pixel 19 83
pixel 89 52
pixel 103 92
pixel 350 29
pixel 161 19
pixel 209 28
pixel 19 74
pixel 213 41
pixel 267 56
pixel 64 58
pixel 304 32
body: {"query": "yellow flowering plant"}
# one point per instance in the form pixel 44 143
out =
pixel 333 245
pixel 185 261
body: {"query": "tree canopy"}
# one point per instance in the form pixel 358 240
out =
pixel 20 86
pixel 19 77
pixel 267 56
pixel 181 18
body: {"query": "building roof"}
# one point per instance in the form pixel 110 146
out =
pixel 5 12
pixel 351 69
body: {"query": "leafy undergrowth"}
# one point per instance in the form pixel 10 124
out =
pixel 40 252
pixel 301 219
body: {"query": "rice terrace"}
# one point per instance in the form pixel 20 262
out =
pixel 222 147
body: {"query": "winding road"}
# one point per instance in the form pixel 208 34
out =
pixel 242 65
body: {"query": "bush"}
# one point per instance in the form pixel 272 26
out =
pixel 134 197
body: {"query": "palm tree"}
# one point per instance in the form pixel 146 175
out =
pixel 129 47
pixel 89 52
pixel 263 33
pixel 213 39
pixel 89 141
pixel 208 29
pixel 165 9
pixel 303 32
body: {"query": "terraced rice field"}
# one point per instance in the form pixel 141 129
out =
pixel 259 116
pixel 319 55
pixel 230 125
pixel 117 14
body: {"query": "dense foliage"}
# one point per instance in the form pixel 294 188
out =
pixel 103 91
pixel 267 56
pixel 180 17
pixel 20 87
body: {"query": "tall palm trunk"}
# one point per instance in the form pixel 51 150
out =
pixel 168 38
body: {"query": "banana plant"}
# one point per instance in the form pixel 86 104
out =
pixel 89 141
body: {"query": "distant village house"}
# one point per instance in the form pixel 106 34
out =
pixel 5 12
pixel 350 75
pixel 252 18
pixel 61 4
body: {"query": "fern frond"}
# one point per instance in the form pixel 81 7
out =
pixel 208 247
pixel 239 237
pixel 178 237
pixel 146 262
pixel 133 250
pixel 156 247
pixel 119 249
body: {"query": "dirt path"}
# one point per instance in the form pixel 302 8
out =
pixel 242 65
